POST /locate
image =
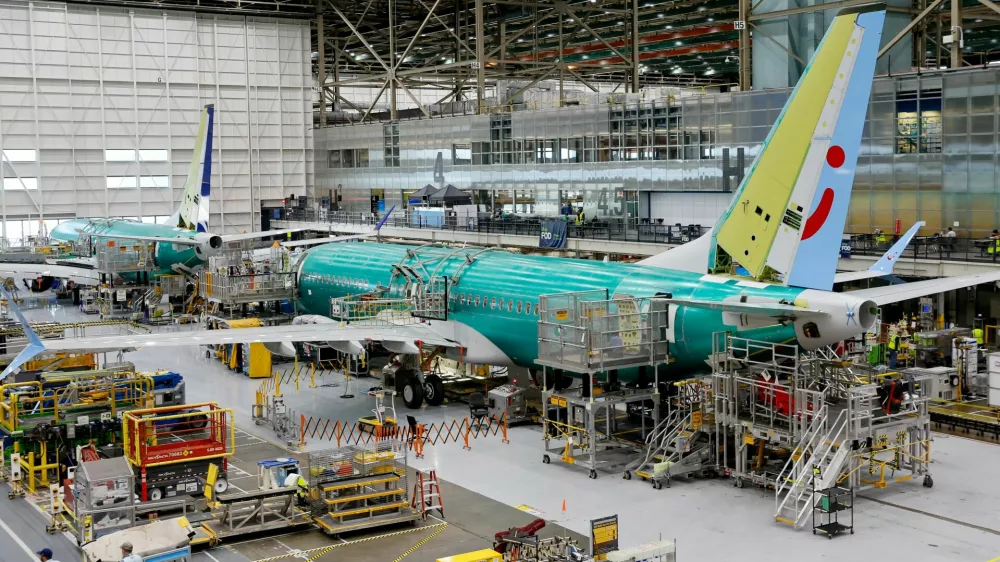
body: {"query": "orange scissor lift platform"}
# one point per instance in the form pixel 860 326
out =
pixel 176 443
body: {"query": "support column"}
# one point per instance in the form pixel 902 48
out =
pixel 956 33
pixel 321 62
pixel 503 46
pixel 336 73
pixel 393 109
pixel 937 42
pixel 480 63
pixel 744 60
pixel 562 67
pixel 635 46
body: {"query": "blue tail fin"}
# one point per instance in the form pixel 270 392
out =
pixel 193 211
pixel 35 345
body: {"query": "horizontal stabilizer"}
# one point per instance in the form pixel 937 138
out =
pixel 260 234
pixel 346 238
pixel 897 293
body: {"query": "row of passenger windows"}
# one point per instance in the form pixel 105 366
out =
pixel 520 307
pixel 349 282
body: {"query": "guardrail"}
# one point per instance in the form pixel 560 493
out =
pixel 942 248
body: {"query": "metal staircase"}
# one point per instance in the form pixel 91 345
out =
pixel 661 444
pixel 822 452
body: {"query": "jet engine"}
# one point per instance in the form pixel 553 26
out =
pixel 845 316
pixel 208 245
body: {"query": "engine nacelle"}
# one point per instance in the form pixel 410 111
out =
pixel 208 245
pixel 846 316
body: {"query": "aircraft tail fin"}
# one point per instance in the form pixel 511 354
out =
pixel 193 211
pixel 788 214
pixel 35 345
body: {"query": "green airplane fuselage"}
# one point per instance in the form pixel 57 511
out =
pixel 337 270
pixel 167 255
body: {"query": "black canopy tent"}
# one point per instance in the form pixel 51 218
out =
pixel 424 193
pixel 450 195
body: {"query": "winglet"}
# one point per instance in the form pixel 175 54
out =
pixel 381 223
pixel 888 260
pixel 35 345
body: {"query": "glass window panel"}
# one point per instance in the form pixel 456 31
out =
pixel 20 184
pixel 20 155
pixel 121 182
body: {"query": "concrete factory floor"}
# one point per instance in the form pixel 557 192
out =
pixel 710 519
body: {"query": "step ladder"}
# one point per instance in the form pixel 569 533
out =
pixel 821 454
pixel 427 493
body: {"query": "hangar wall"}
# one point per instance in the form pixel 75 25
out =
pixel 100 107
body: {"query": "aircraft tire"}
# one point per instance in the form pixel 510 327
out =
pixel 433 390
pixel 413 392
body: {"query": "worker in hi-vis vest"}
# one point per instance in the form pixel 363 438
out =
pixel 978 334
pixel 302 487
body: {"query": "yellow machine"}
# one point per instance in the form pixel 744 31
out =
pixel 477 556
pixel 380 419
pixel 258 364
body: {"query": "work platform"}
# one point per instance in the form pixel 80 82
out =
pixel 237 280
pixel 839 424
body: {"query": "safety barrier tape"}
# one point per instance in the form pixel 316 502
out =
pixel 315 553
pixel 422 542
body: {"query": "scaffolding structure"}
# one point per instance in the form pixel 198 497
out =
pixel 838 423
pixel 118 257
pixel 236 280
pixel 593 336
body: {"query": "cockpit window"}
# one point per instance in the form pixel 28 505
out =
pixel 811 330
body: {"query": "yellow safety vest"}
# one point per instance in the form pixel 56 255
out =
pixel 978 334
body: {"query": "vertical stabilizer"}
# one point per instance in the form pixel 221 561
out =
pixel 789 212
pixel 193 211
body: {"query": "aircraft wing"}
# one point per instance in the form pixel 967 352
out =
pixel 332 332
pixel 884 265
pixel 774 310
pixel 77 274
pixel 896 293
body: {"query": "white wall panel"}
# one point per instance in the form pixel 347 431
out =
pixel 76 80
